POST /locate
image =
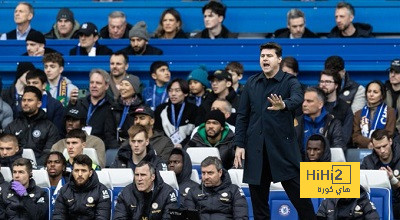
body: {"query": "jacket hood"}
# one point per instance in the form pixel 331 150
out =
pixel 203 135
pixel 89 185
pixel 70 35
pixel 326 156
pixel 187 165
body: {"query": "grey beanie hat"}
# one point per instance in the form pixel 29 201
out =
pixel 139 30
pixel 134 81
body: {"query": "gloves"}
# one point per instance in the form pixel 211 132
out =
pixel 18 188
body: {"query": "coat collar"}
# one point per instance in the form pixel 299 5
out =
pixel 278 76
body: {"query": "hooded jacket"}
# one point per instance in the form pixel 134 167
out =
pixel 6 114
pixel 90 201
pixel 124 158
pixel 372 162
pixel 226 201
pixel 326 156
pixel 7 161
pixel 184 181
pixel 342 209
pixel 225 146
pixel 132 204
pixel 33 206
pixel 362 30
pixel 106 35
pixel 54 34
pixel 36 132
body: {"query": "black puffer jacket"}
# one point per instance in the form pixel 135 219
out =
pixel 326 156
pixel 226 201
pixel 90 201
pixel 131 202
pixel 355 209
pixel 124 158
pixel 33 206
pixel 362 30
pixel 36 132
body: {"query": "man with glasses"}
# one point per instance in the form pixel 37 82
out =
pixel 393 88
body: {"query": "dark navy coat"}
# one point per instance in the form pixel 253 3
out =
pixel 257 126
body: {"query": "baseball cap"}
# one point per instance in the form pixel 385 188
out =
pixel 143 110
pixel 395 65
pixel 75 112
pixel 87 28
pixel 220 75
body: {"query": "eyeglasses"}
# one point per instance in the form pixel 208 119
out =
pixel 326 82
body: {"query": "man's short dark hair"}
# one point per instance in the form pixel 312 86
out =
pixel 119 53
pixel 76 133
pixel 272 46
pixel 37 73
pixel 182 83
pixel 236 67
pixel 320 93
pixel 23 162
pixel 33 90
pixel 335 63
pixel 291 63
pixel 381 85
pixel 212 161
pixel 317 137
pixel 216 7
pixel 336 78
pixel 157 64
pixel 346 5
pixel 379 134
pixel 60 157
pixel 83 159
pixel 54 58
pixel 151 166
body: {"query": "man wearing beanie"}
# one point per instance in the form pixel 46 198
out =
pixel 23 15
pixel 65 26
pixel 35 45
pixel 139 39
pixel 198 85
pixel 88 45
pixel 215 133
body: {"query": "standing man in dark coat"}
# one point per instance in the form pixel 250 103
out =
pixel 264 129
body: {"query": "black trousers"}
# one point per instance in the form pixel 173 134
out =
pixel 260 195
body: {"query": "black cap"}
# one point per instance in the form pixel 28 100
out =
pixel 395 65
pixel 36 36
pixel 22 68
pixel 75 112
pixel 143 110
pixel 220 75
pixel 88 28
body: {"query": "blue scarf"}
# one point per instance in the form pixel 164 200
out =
pixel 379 121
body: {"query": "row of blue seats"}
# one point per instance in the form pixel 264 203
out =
pixel 267 16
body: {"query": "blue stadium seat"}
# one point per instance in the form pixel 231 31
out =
pixel 382 198
pixel 281 207
pixel 120 177
pixel 47 190
pixel 357 155
pixel 110 156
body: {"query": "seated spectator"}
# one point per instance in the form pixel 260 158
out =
pixel 296 26
pixel 216 133
pixel 13 95
pixel 317 120
pixel 75 118
pixel 375 115
pixel 120 120
pixel 214 15
pixel 60 87
pixel 97 105
pixel 117 27
pixel 170 25
pixel 344 15
pixel 6 113
pixel 76 141
pixel 83 197
pixel 9 150
pixel 217 197
pixel 236 70
pixel 138 149
pixel 151 197
pixel 143 115
pixel 318 149
pixel 23 15
pixel 24 199
pixel 32 128
pixel 385 156
pixel 179 162
pixel 348 208
pixel 56 167
pixel 221 84
pixel 65 26
pixel 393 88
pixel 198 85
pixel 139 42
pixel 156 94
pixel 35 45
pixel 88 45
pixel 119 64
pixel 177 118
pixel 4 185
pixel 53 108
